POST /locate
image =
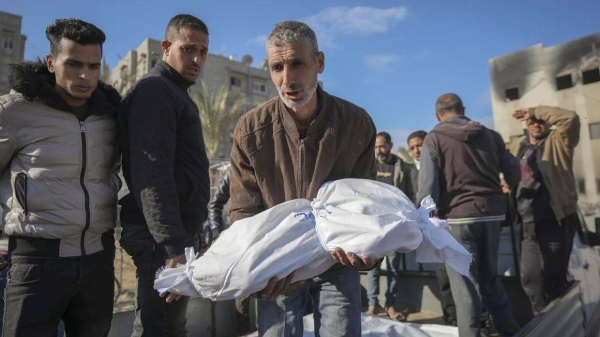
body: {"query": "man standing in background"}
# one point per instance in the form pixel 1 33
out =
pixel 58 188
pixel 461 162
pixel 415 143
pixel 392 170
pixel 546 200
pixel 166 169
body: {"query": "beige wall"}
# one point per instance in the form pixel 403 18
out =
pixel 533 71
pixel 12 46
pixel 217 72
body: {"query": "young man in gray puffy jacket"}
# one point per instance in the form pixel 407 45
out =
pixel 58 187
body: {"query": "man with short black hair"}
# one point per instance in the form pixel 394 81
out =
pixel 461 162
pixel 415 143
pixel 166 169
pixel 58 187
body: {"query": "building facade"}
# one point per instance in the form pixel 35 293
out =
pixel 565 75
pixel 12 46
pixel 254 82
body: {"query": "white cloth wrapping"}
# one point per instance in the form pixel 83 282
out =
pixel 362 216
pixel 377 326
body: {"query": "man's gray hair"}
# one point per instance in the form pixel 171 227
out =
pixel 448 102
pixel 286 32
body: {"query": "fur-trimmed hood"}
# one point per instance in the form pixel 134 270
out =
pixel 34 80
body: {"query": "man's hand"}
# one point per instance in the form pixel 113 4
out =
pixel 277 287
pixel 172 263
pixel 352 260
pixel 521 115
pixel 4 259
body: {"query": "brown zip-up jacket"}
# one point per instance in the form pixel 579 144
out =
pixel 270 164
pixel 556 160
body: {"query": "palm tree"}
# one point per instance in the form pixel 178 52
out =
pixel 105 72
pixel 217 112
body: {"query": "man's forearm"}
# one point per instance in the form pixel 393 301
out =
pixel 428 176
pixel 156 195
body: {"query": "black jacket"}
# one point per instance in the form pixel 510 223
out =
pixel 414 180
pixel 220 198
pixel 164 159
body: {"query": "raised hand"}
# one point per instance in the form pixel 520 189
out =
pixel 521 115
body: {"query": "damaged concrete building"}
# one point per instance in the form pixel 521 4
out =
pixel 565 75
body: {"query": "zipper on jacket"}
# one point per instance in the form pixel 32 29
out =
pixel 21 191
pixel 302 173
pixel 81 180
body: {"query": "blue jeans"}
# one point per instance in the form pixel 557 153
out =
pixel 335 296
pixel 482 284
pixel 393 268
pixel 2 287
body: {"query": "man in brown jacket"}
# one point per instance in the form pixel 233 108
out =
pixel 546 200
pixel 461 162
pixel 285 149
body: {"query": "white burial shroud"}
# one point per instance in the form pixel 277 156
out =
pixel 362 216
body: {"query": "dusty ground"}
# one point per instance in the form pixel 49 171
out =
pixel 125 277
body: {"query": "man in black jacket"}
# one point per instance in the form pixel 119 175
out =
pixel 166 169
pixel 215 207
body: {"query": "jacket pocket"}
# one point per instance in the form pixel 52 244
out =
pixel 21 191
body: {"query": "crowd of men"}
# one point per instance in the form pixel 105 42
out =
pixel 64 136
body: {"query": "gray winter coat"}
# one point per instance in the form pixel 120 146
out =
pixel 58 183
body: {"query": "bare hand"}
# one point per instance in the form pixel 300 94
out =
pixel 277 287
pixel 172 263
pixel 4 259
pixel 521 115
pixel 352 260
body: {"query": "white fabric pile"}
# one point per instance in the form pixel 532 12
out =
pixel 376 326
pixel 366 217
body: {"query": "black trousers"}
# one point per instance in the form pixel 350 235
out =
pixel 41 291
pixel 153 315
pixel 545 252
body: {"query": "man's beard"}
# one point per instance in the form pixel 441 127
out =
pixel 309 91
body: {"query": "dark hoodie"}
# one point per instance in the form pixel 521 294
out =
pixel 461 162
